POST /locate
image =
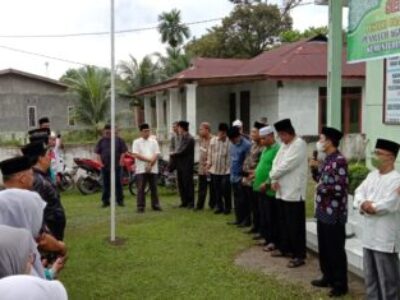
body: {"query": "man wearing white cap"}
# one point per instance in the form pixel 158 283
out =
pixel 239 124
pixel 262 185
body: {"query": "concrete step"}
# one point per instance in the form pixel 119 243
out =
pixel 353 247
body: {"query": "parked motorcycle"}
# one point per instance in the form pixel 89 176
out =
pixel 65 180
pixel 92 182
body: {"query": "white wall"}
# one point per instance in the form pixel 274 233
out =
pixel 263 99
pixel 298 101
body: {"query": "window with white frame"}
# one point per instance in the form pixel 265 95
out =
pixel 71 115
pixel 32 116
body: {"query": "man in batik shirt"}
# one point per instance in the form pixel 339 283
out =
pixel 331 212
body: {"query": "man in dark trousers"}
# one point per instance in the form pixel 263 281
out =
pixel 184 161
pixel 240 146
pixel 331 212
pixel 103 151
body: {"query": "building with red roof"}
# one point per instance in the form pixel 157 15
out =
pixel 286 82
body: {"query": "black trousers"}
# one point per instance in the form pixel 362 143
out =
pixel 185 185
pixel 222 192
pixel 141 182
pixel 244 204
pixel 204 186
pixel 332 254
pixel 269 222
pixel 242 209
pixel 254 202
pixel 57 226
pixel 292 228
pixel 107 186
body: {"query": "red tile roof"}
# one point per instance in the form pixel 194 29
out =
pixel 300 60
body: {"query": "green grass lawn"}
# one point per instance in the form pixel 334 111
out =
pixel 175 254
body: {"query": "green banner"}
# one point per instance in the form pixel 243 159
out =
pixel 374 29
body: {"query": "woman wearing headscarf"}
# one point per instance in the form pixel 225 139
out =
pixel 31 288
pixel 17 251
pixel 24 209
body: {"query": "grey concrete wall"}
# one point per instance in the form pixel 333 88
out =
pixel 17 93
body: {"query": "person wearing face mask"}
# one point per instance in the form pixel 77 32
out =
pixel 378 201
pixel 331 212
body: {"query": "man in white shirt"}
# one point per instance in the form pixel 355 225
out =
pixel 378 201
pixel 146 152
pixel 289 180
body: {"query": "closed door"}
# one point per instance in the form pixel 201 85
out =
pixel 245 110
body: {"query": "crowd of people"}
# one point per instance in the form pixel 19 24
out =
pixel 32 220
pixel 261 178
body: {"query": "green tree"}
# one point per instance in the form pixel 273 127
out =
pixel 135 74
pixel 91 85
pixel 171 28
pixel 291 36
pixel 246 32
pixel 174 62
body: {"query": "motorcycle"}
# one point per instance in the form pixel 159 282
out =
pixel 65 180
pixel 92 182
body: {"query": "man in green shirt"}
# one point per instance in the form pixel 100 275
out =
pixel 262 185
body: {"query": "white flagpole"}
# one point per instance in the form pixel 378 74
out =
pixel 113 131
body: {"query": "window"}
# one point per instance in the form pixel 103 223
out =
pixel 32 116
pixel 351 109
pixel 71 115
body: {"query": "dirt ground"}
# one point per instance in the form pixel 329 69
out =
pixel 256 259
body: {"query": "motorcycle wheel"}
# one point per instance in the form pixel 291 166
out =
pixel 66 182
pixel 87 186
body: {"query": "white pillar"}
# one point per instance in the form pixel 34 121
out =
pixel 191 107
pixel 175 107
pixel 161 128
pixel 147 110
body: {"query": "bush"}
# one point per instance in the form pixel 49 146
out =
pixel 357 173
pixel 88 136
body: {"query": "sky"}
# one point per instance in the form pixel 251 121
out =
pixel 47 17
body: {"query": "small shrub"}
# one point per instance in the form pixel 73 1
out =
pixel 357 173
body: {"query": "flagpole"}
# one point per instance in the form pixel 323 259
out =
pixel 113 129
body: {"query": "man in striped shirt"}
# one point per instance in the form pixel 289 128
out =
pixel 218 165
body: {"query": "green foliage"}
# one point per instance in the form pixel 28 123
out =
pixel 135 74
pixel 91 86
pixel 291 36
pixel 246 32
pixel 171 28
pixel 10 142
pixel 83 136
pixel 174 62
pixel 357 173
pixel 87 136
pixel 167 255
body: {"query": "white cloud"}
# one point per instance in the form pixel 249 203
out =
pixel 65 16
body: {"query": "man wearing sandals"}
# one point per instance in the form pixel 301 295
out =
pixel 331 212
pixel 289 180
